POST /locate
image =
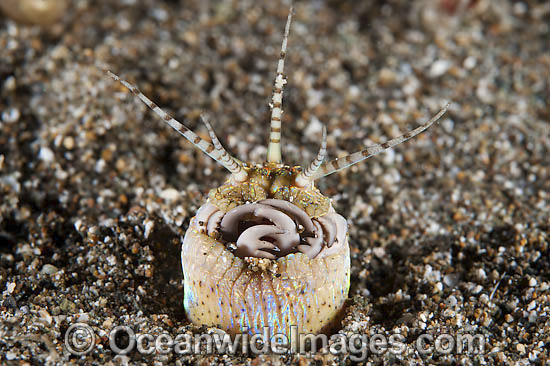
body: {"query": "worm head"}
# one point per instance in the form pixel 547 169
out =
pixel 268 213
pixel 289 189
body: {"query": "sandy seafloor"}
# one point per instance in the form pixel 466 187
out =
pixel 449 232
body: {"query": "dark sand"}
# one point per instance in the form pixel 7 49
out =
pixel 449 231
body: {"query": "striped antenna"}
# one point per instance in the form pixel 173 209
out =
pixel 237 170
pixel 305 177
pixel 202 144
pixel 341 163
pixel 274 147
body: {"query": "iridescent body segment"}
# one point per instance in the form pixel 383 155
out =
pixel 229 292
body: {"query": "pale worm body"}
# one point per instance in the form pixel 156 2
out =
pixel 226 291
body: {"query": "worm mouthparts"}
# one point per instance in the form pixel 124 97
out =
pixel 271 228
